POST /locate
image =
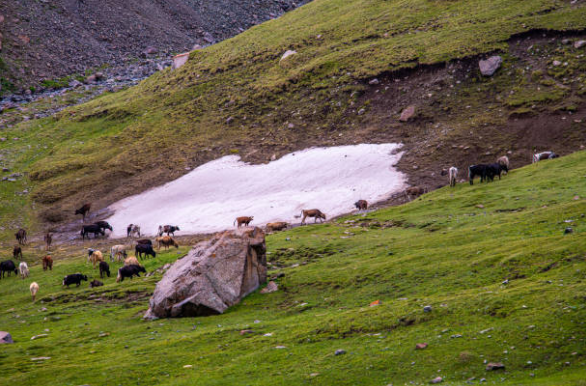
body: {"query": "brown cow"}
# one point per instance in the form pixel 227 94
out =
pixel 47 263
pixel 17 252
pixel 166 241
pixel 415 191
pixel 21 236
pixel 277 226
pixel 84 210
pixel 315 213
pixel 243 220
pixel 361 204
pixel 48 240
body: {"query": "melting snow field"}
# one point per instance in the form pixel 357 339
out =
pixel 210 197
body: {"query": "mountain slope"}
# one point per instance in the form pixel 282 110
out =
pixel 236 97
pixel 504 283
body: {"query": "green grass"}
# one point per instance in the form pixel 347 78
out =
pixel 441 250
pixel 178 118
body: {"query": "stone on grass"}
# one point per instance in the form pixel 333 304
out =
pixel 568 230
pixel 5 337
pixel 580 44
pixel 271 287
pixel 495 366
pixel 287 54
pixel 427 309
pixel 214 275
pixel 340 352
pixel 39 336
pixel 437 380
pixel 489 66
pixel 420 346
pixel 407 113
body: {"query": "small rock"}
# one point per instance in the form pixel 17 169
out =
pixel 280 347
pixel 374 81
pixel 287 54
pixel 246 332
pixel 495 366
pixel 187 366
pixel 427 309
pixel 580 44
pixel 420 346
pixel 489 66
pixel 437 380
pixel 271 287
pixel 340 352
pixel 5 337
pixel 556 63
pixel 229 120
pixel 39 336
pixel 361 111
pixel 568 230
pixel 40 359
pixel 407 113
pixel 480 206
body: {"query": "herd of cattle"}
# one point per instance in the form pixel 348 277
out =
pixel 144 246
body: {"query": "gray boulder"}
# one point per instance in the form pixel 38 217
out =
pixel 489 66
pixel 214 275
pixel 5 337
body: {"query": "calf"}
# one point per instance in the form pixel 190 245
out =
pixel 544 155
pixel 96 283
pixel 477 170
pixel 165 241
pixel 504 162
pixel 315 213
pixel 74 278
pixel 17 252
pixel 84 210
pixel 243 220
pixel 87 229
pixel 119 251
pixel 7 266
pixel 34 288
pixel 361 204
pixel 104 269
pixel 47 263
pixel 129 271
pixel 21 236
pixel 23 269
pixel 132 229
pixel 144 249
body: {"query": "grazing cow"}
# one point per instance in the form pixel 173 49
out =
pixel 361 204
pixel 243 220
pixel 129 271
pixel 104 269
pixel 84 210
pixel 7 266
pixel 48 240
pixel 131 261
pixel 544 155
pixel 132 229
pixel 23 269
pixel 119 251
pixel 104 225
pixel 96 283
pixel 21 236
pixel 165 241
pixel 87 229
pixel 415 191
pixel 34 288
pixel 74 278
pixel 277 226
pixel 315 213
pixel 493 170
pixel 47 263
pixel 504 162
pixel 17 252
pixel 144 249
pixel 168 229
pixel 477 170
pixel 96 257
pixel 144 241
pixel 452 175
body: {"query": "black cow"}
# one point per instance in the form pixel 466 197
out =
pixel 495 169
pixel 74 278
pixel 145 249
pixel 87 229
pixel 17 252
pixel 104 269
pixel 7 266
pixel 168 229
pixel 104 225
pixel 84 210
pixel 477 170
pixel 129 271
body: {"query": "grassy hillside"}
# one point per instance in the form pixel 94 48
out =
pixel 236 98
pixel 504 282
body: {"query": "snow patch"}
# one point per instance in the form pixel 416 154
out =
pixel 210 197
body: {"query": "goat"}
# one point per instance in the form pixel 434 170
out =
pixel 34 288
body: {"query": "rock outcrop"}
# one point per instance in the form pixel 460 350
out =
pixel 214 275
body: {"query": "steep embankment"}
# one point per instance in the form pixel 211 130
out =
pixel 46 40
pixel 358 65
pixel 504 284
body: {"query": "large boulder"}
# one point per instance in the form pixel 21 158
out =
pixel 489 66
pixel 214 275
